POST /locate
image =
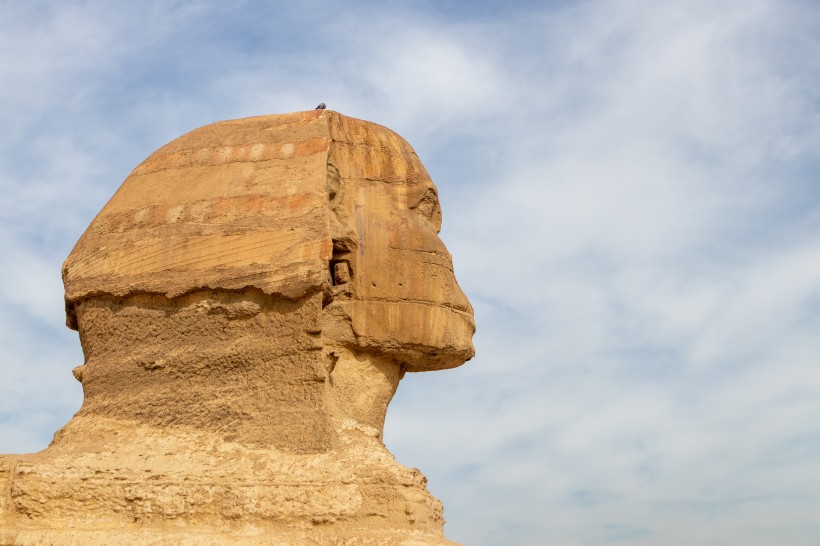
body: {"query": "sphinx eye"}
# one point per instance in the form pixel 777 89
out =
pixel 428 204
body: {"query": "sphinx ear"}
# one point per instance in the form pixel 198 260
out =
pixel 342 227
pixel 345 239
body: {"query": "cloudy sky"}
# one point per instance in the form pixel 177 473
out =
pixel 631 192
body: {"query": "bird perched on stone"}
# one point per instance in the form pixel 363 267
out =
pixel 321 106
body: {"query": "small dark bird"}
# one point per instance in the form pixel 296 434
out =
pixel 321 106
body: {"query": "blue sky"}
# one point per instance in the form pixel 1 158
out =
pixel 630 192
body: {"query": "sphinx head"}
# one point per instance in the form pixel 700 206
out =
pixel 288 204
pixel 332 216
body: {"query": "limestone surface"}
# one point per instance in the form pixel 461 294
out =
pixel 247 303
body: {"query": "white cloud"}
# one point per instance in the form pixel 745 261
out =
pixel 629 195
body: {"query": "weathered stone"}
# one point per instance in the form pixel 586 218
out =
pixel 247 303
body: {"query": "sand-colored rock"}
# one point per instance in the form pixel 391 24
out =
pixel 247 303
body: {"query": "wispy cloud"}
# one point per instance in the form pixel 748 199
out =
pixel 630 195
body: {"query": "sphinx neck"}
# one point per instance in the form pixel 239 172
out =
pixel 360 387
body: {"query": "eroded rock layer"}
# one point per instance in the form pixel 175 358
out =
pixel 247 303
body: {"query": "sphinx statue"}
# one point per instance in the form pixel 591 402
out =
pixel 247 303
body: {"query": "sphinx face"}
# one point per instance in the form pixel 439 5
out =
pixel 407 301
